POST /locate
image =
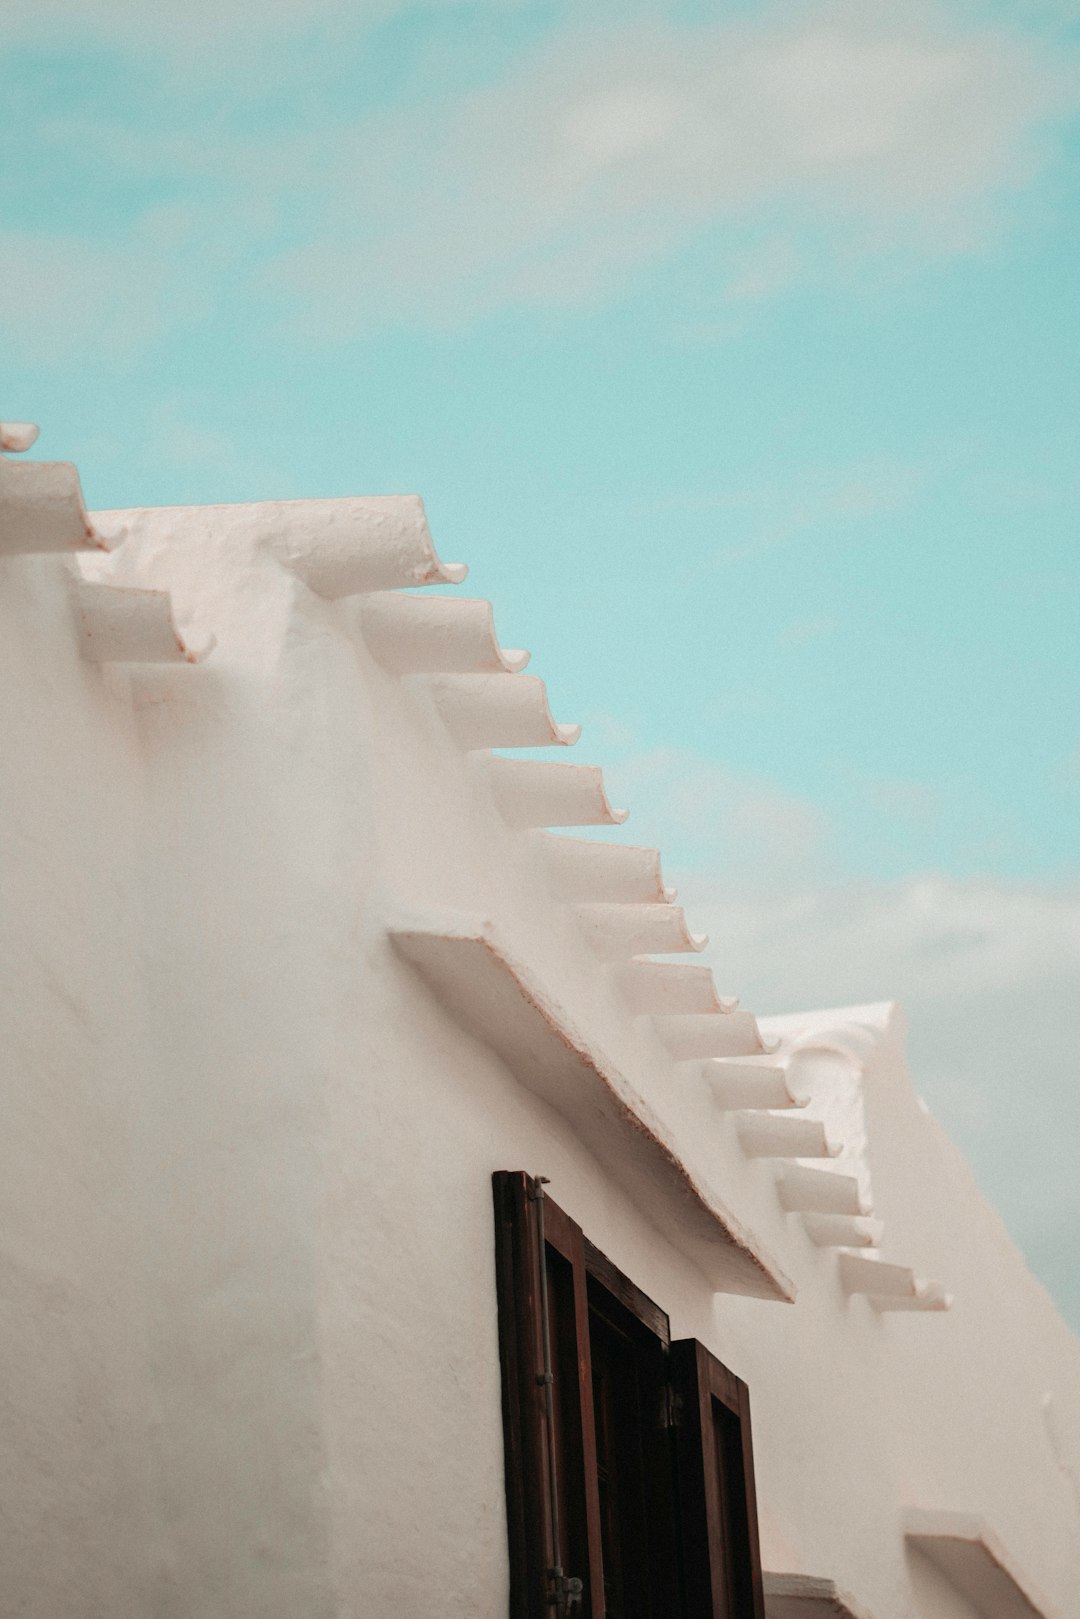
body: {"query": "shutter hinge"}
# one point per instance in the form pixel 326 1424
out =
pixel 671 1409
pixel 566 1596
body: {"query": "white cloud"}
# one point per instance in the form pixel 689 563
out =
pixel 63 294
pixel 610 148
pixel 767 268
pixel 903 800
pixel 796 140
pixel 198 26
pixel 987 971
pixel 707 814
pixel 766 519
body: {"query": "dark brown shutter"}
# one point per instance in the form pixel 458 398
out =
pixel 718 1509
pixel 530 1463
pixel 518 1289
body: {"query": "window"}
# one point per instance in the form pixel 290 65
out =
pixel 629 1471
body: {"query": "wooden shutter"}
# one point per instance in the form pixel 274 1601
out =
pixel 718 1509
pixel 531 1462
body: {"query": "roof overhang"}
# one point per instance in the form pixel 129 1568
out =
pixel 807 1596
pixel 971 1556
pixel 501 1002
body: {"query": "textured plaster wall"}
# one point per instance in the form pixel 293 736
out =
pixel 249 1307
pixel 73 1412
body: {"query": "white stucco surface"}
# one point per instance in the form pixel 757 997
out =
pixel 248 1307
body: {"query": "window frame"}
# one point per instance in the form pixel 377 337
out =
pixel 721 1557
pixel 718 1565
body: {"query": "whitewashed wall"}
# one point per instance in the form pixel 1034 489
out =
pixel 248 1305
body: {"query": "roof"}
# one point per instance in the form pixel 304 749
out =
pixel 749 1082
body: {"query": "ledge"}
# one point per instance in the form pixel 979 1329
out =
pixel 43 509
pixel 806 1596
pixel 347 547
pixel 499 1001
pixel 969 1554
pixel 127 625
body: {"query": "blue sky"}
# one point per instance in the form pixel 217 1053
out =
pixel 735 347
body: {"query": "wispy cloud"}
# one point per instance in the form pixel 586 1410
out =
pixel 985 969
pixel 903 800
pixel 766 519
pixel 707 814
pixel 64 294
pixel 608 149
pixel 987 974
pixel 200 26
pixel 597 152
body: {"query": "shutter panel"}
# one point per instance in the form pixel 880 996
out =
pixel 517 1272
pixel 531 1466
pixel 718 1507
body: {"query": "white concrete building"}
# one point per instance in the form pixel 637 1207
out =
pixel 293 965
